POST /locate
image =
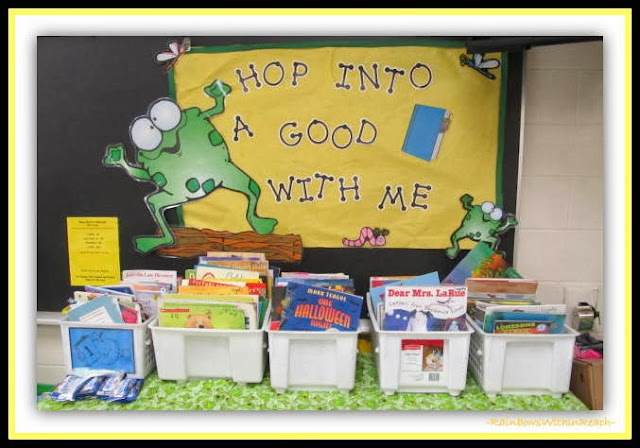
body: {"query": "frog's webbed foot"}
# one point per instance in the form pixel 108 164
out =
pixel 147 244
pixel 217 89
pixel 452 252
pixel 262 225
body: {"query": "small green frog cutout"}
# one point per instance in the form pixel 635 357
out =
pixel 481 223
pixel 183 154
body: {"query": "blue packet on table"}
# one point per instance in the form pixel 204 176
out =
pixel 68 388
pixel 110 384
pixel 126 391
pixel 91 387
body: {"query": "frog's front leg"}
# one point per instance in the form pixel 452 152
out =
pixel 114 156
pixel 157 203
pixel 218 91
pixel 237 180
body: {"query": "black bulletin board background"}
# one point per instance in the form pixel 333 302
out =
pixel 88 91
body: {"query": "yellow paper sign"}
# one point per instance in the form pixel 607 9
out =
pixel 94 251
pixel 342 140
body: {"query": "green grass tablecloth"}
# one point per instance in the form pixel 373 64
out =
pixel 225 395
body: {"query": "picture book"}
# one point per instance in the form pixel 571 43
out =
pixel 259 266
pixel 377 293
pixel 250 305
pixel 425 308
pixel 206 272
pixel 483 262
pixel 501 285
pixel 425 131
pixel 246 255
pixel 312 308
pixel 101 310
pixel 522 327
pixel 554 323
pixel 178 314
pixel 253 287
pixel 131 314
pixel 340 284
pixel 111 289
pixel 151 275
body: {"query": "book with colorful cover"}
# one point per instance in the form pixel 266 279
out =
pixel 377 293
pixel 425 308
pixel 250 304
pixel 245 255
pixel 151 275
pixel 312 308
pixel 522 327
pixel 214 273
pixel 260 266
pixel 554 323
pixel 222 316
pixel 101 310
pixel 482 262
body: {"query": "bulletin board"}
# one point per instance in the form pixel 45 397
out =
pixel 335 167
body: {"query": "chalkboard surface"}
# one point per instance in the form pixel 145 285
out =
pixel 87 88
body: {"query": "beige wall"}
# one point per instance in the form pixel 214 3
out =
pixel 559 240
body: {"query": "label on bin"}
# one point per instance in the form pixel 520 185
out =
pixel 422 362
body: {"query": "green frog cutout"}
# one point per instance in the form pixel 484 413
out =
pixel 481 223
pixel 185 156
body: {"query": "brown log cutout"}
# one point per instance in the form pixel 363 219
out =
pixel 191 242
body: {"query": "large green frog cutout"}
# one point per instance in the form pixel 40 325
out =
pixel 183 154
pixel 481 223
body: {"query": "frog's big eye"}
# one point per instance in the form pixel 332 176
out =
pixel 144 134
pixel 487 207
pixel 496 214
pixel 165 114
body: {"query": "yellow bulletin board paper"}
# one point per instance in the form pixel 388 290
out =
pixel 94 252
pixel 321 130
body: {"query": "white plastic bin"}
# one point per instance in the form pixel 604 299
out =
pixel 402 359
pixel 522 364
pixel 119 347
pixel 312 360
pixel 195 353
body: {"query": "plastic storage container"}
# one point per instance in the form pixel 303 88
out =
pixel 120 347
pixel 434 361
pixel 195 353
pixel 522 364
pixel 312 360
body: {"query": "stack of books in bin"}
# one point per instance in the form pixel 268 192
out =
pixel 500 305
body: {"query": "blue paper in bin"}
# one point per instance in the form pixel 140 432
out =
pixel 98 348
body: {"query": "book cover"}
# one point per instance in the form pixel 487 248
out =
pixel 206 272
pixel 151 275
pixel 246 255
pixel 425 308
pixel 250 305
pixel 501 285
pixel 482 262
pixel 101 310
pixel 425 131
pixel 377 293
pixel 522 327
pixel 178 314
pixel 313 308
pixel 556 321
pixel 259 266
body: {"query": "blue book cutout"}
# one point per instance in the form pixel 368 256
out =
pixel 425 131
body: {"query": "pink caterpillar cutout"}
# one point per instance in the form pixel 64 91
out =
pixel 375 237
